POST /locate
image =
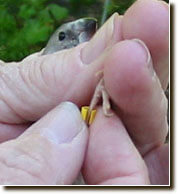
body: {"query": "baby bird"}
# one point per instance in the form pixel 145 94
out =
pixel 70 35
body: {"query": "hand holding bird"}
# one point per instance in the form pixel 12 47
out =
pixel 119 150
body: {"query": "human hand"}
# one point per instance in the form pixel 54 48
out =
pixel 40 76
pixel 128 148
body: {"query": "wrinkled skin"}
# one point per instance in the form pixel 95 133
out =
pixel 125 149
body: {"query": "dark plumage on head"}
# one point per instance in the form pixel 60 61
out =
pixel 71 34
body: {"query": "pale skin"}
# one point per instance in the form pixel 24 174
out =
pixel 125 149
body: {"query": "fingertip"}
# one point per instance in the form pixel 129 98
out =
pixel 61 125
pixel 148 21
pixel 127 72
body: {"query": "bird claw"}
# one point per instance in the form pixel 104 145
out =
pixel 107 112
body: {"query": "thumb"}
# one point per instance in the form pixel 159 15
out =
pixel 50 152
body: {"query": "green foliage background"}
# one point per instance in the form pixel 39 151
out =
pixel 25 25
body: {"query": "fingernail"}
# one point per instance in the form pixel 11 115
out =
pixel 148 55
pixel 64 123
pixel 166 5
pixel 99 42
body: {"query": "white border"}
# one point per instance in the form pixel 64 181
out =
pixel 175 75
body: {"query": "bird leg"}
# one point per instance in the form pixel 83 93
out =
pixel 100 91
pixel 106 103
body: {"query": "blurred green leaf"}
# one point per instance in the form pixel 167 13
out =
pixel 59 13
pixel 26 12
pixel 35 3
pixel 34 32
pixel 45 17
pixel 120 6
pixel 7 21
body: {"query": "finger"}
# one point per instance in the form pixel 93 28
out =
pixel 148 20
pixel 135 89
pixel 158 165
pixel 51 151
pixel 30 89
pixel 111 157
pixel 8 132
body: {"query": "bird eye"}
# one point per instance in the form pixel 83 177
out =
pixel 62 36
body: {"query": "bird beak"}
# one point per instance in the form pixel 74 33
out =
pixel 90 25
pixel 87 28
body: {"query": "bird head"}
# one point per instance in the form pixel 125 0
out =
pixel 71 34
